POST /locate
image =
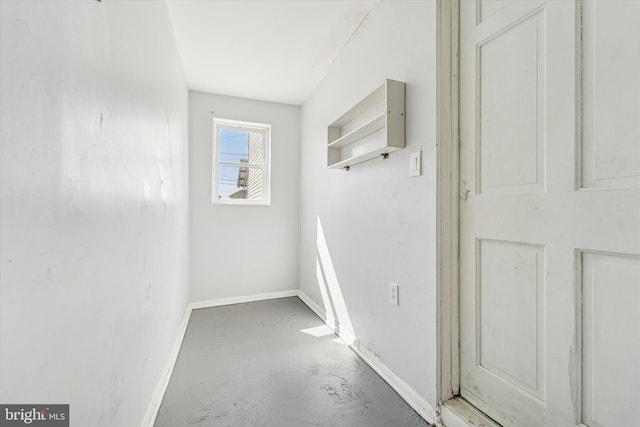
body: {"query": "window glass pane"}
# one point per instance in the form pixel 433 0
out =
pixel 256 148
pixel 239 182
pixel 240 146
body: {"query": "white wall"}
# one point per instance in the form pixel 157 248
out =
pixel 243 250
pixel 377 222
pixel 93 207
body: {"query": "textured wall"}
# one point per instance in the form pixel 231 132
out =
pixel 243 250
pixel 374 224
pixel 93 205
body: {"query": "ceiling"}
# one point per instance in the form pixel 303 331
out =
pixel 272 50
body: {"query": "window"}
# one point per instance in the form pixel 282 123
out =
pixel 241 162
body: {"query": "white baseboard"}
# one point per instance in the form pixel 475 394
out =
pixel 322 314
pixel 405 391
pixel 247 298
pixel 161 388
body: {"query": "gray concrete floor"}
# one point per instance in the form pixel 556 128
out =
pixel 250 365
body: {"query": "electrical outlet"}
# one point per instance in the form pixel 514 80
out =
pixel 393 293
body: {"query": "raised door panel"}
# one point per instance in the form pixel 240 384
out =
pixel 515 276
pixel 611 339
pixel 487 8
pixel 511 313
pixel 510 119
pixel 550 270
pixel 611 94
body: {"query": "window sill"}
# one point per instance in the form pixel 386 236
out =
pixel 241 202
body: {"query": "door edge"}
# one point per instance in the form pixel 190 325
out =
pixel 447 209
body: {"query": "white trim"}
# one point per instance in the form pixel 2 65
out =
pixel 420 405
pixel 322 314
pixel 406 392
pixel 154 406
pixel 161 388
pixel 265 167
pixel 458 412
pixel 241 124
pixel 239 300
pixel 447 194
pixel 455 411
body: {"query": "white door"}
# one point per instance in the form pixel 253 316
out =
pixel 550 211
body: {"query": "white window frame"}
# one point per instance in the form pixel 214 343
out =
pixel 265 129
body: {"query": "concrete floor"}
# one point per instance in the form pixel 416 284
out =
pixel 251 365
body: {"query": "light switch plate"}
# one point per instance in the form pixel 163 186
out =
pixel 415 164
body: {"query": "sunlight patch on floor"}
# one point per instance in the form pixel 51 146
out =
pixel 318 331
pixel 332 298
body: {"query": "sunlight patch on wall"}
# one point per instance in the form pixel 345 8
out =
pixel 332 298
pixel 110 158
